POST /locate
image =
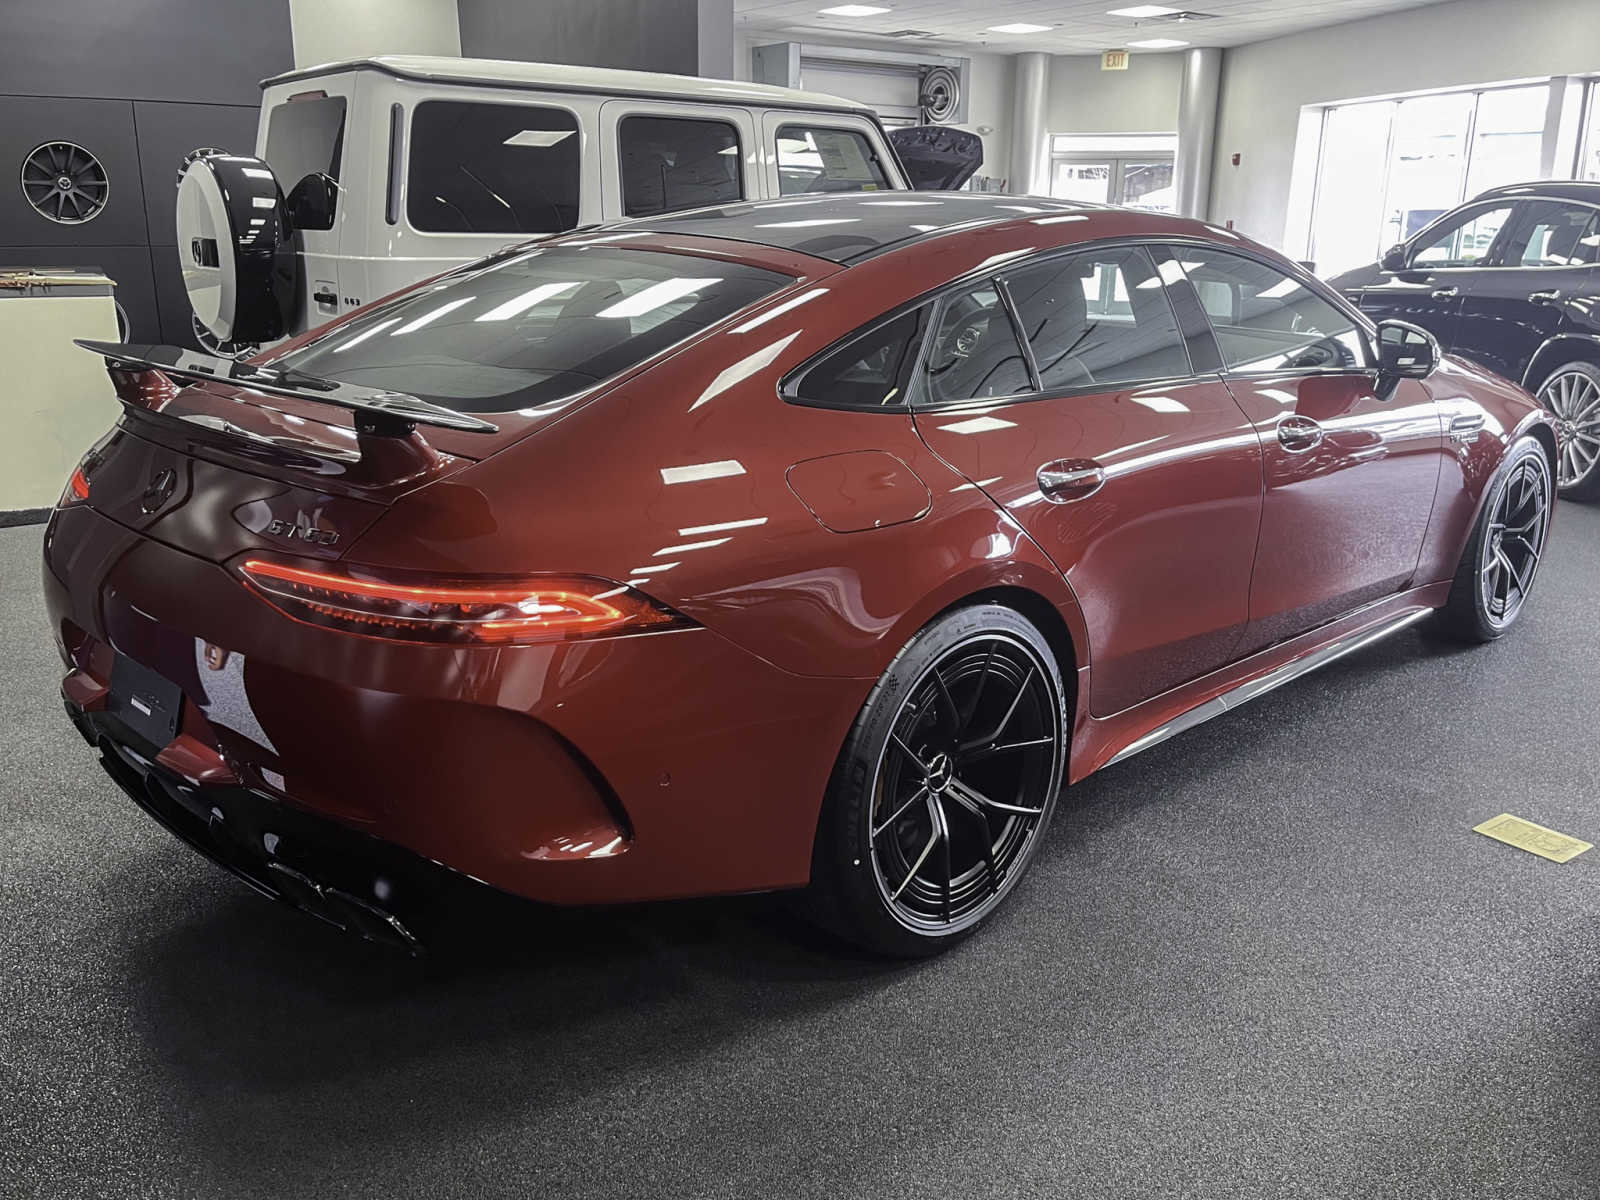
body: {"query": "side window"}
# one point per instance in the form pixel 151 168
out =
pixel 1266 321
pixel 975 352
pixel 872 371
pixel 305 136
pixel 1462 241
pixel 671 163
pixel 1100 317
pixel 1553 234
pixel 492 168
pixel 814 159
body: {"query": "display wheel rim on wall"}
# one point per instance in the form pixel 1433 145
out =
pixel 64 183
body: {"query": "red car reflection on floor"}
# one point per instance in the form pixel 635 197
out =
pixel 807 542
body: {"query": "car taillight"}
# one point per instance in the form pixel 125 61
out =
pixel 492 611
pixel 77 489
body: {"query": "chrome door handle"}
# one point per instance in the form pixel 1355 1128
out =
pixel 1299 434
pixel 1549 297
pixel 1068 479
pixel 1444 293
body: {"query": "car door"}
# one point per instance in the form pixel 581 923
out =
pixel 1350 464
pixel 1129 463
pixel 661 158
pixel 1437 264
pixel 1544 266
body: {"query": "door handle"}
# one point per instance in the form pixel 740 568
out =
pixel 1444 293
pixel 1068 479
pixel 1298 434
pixel 325 297
pixel 1549 297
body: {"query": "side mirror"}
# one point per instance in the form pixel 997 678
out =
pixel 312 202
pixel 1394 258
pixel 1406 351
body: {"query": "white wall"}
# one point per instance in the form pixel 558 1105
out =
pixel 331 30
pixel 1265 85
pixel 1142 99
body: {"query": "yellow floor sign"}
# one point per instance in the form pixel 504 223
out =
pixel 1535 839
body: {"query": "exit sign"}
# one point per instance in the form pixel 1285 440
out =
pixel 1114 60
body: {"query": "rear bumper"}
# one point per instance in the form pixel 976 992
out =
pixel 610 770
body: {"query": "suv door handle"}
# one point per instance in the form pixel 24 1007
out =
pixel 1298 434
pixel 1549 297
pixel 1068 479
pixel 1444 293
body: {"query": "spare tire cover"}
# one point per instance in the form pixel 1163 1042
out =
pixel 235 248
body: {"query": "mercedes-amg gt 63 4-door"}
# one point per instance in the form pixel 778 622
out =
pixel 804 544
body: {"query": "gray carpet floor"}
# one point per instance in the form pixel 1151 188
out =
pixel 1268 958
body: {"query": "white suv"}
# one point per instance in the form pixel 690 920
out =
pixel 397 168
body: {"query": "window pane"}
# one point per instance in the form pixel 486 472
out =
pixel 1148 186
pixel 871 371
pixel 1463 241
pixel 1425 162
pixel 1506 139
pixel 1350 214
pixel 1098 318
pixel 975 353
pixel 492 168
pixel 539 326
pixel 1589 163
pixel 1082 181
pixel 1550 234
pixel 305 136
pixel 827 160
pixel 1266 321
pixel 671 163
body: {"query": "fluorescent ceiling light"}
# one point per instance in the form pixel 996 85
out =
pixel 1157 44
pixel 854 10
pixel 1140 11
pixel 538 137
pixel 1019 27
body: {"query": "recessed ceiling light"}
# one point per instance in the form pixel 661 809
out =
pixel 854 10
pixel 1019 27
pixel 1140 11
pixel 1157 44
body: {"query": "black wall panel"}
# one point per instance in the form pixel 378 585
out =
pixel 102 127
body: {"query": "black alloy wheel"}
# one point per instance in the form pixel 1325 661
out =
pixel 1502 557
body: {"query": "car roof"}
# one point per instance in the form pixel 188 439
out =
pixel 1558 189
pixel 846 227
pixel 557 77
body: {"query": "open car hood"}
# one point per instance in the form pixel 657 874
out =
pixel 937 158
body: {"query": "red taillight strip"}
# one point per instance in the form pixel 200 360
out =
pixel 393 591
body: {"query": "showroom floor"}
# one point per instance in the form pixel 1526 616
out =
pixel 1268 958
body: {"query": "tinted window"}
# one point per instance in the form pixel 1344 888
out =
pixel 870 371
pixel 975 352
pixel 535 327
pixel 304 137
pixel 1462 241
pixel 812 159
pixel 1098 318
pixel 670 163
pixel 1553 234
pixel 492 168
pixel 1267 321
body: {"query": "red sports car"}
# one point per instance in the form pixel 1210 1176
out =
pixel 806 543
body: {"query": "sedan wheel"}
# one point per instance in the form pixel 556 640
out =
pixel 1502 558
pixel 1573 395
pixel 946 784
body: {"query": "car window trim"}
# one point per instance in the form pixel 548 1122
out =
pixel 647 114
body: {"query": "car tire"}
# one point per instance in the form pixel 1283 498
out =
pixel 1501 559
pixel 1572 393
pixel 945 785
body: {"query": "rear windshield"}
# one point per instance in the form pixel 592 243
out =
pixel 533 328
pixel 304 136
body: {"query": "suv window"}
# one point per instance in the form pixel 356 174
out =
pixel 1101 317
pixel 534 328
pixel 872 371
pixel 815 159
pixel 492 168
pixel 975 353
pixel 669 163
pixel 1553 234
pixel 304 137
pixel 1266 321
pixel 1462 241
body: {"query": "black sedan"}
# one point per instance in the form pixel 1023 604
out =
pixel 1510 280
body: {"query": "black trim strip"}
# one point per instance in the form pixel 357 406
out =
pixel 23 516
pixel 391 202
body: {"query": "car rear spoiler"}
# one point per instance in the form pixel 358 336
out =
pixel 377 412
